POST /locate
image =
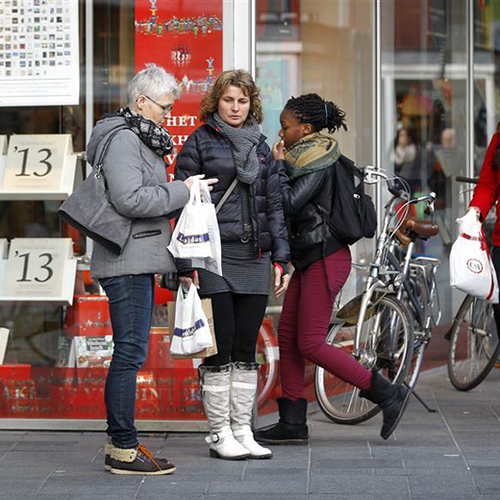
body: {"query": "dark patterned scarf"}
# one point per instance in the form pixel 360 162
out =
pixel 154 136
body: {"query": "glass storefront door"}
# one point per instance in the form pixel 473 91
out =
pixel 424 111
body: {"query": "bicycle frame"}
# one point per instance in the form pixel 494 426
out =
pixel 425 322
pixel 402 280
pixel 373 282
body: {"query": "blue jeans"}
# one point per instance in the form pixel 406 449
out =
pixel 131 301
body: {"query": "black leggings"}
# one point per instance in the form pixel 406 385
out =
pixel 237 320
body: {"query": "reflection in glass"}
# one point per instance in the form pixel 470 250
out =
pixel 424 127
pixel 325 48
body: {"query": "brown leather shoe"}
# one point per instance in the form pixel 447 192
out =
pixel 138 461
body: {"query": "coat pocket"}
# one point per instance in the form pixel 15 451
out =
pixel 147 234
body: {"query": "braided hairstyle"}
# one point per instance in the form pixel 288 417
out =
pixel 321 114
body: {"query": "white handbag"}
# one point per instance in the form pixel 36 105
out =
pixel 190 238
pixel 471 267
pixel 191 329
pixel 214 262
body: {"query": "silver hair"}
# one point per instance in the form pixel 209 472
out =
pixel 153 82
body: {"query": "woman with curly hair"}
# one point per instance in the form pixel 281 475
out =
pixel 230 147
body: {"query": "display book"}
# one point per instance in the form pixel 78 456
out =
pixel 37 167
pixel 35 270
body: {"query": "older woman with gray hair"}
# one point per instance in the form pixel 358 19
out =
pixel 131 144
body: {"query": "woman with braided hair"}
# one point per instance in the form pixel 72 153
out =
pixel 307 161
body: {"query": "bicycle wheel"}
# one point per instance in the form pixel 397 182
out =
pixel 267 357
pixel 386 345
pixel 474 345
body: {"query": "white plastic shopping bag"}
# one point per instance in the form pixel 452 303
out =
pixel 190 238
pixel 471 268
pixel 191 331
pixel 213 263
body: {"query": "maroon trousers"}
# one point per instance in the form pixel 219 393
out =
pixel 304 322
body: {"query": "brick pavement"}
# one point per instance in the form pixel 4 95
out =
pixel 453 454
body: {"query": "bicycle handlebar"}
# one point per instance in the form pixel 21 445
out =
pixel 371 173
pixel 469 180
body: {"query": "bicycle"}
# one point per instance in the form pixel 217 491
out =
pixel 377 326
pixel 474 346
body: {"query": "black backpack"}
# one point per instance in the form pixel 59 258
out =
pixel 353 214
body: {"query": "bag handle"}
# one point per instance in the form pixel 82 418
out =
pixel 226 195
pixel 194 192
pixel 104 150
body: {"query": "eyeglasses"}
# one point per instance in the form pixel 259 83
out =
pixel 166 109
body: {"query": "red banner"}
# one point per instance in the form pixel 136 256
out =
pixel 185 37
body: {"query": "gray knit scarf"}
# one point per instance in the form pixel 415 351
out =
pixel 244 142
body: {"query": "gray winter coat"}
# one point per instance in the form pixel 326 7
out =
pixel 138 188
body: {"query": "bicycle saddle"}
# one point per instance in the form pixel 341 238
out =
pixel 421 227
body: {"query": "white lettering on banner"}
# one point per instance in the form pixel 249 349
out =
pixel 181 121
pixel 171 159
pixel 179 140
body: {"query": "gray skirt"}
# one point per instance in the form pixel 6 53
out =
pixel 243 271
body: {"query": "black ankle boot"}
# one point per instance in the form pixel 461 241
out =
pixel 292 426
pixel 391 398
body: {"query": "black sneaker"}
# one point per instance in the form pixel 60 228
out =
pixel 138 461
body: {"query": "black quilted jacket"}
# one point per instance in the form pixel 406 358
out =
pixel 207 152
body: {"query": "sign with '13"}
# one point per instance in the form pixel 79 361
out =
pixel 36 163
pixel 36 267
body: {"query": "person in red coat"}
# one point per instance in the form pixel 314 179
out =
pixel 487 190
pixel 486 194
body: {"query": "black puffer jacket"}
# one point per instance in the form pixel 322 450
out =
pixel 207 152
pixel 307 201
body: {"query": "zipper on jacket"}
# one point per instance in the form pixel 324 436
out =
pixel 255 220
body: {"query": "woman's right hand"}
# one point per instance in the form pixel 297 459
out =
pixel 189 181
pixel 279 150
pixel 186 281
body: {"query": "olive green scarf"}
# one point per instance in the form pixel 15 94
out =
pixel 312 152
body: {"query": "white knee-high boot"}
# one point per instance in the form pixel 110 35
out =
pixel 243 390
pixel 215 386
